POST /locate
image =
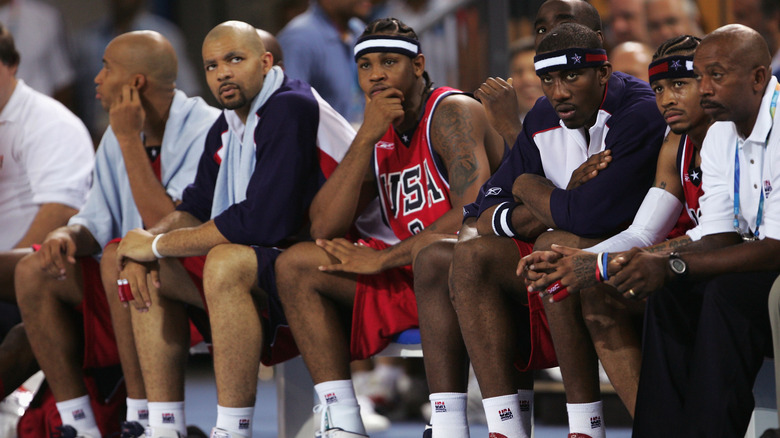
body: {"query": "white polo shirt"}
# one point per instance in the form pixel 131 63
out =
pixel 759 163
pixel 46 155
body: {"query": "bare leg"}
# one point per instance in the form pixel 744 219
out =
pixel 230 285
pixel 123 328
pixel 314 303
pixel 17 362
pixel 162 334
pixel 614 324
pixel 485 294
pixel 8 261
pixel 446 360
pixel 52 325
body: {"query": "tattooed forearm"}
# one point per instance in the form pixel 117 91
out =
pixel 453 136
pixel 585 269
pixel 670 245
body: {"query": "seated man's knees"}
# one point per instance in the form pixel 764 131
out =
pixel 229 265
pixel 473 256
pixel 297 266
pixel 29 279
pixel 432 265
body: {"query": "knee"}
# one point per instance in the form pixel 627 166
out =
pixel 431 267
pixel 598 310
pixel 28 280
pixel 296 267
pixel 228 266
pixel 471 264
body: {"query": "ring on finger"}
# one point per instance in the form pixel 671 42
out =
pixel 632 293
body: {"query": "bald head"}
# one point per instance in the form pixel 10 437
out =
pixel 145 52
pixel 742 41
pixel 272 46
pixel 555 12
pixel 242 34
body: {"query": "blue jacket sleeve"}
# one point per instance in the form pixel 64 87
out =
pixel 286 175
pixel 608 202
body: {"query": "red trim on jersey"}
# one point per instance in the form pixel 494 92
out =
pixel 545 130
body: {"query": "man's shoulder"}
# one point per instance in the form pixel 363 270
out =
pixel 293 98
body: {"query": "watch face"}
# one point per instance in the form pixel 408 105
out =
pixel 678 266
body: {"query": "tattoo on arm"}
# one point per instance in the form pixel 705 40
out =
pixel 453 138
pixel 670 245
pixel 584 268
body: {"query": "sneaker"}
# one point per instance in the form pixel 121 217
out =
pixel 222 433
pixel 428 432
pixel 372 420
pixel 68 432
pixel 326 431
pixel 159 432
pixel 132 429
pixel 195 432
pixel 578 435
pixel 496 435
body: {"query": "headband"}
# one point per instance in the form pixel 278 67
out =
pixel 568 59
pixel 387 43
pixel 671 67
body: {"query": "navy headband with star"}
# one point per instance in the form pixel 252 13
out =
pixel 387 43
pixel 671 67
pixel 568 59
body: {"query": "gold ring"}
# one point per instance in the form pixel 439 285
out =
pixel 632 293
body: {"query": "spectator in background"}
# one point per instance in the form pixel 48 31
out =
pixel 318 46
pixel 632 58
pixel 124 16
pixel 39 32
pixel 763 16
pixel 527 85
pixel 626 21
pixel 668 19
pixel 272 46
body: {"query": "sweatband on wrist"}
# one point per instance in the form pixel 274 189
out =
pixel 599 267
pixel 386 44
pixel 671 67
pixel 154 247
pixel 569 59
pixel 502 220
pixel 604 265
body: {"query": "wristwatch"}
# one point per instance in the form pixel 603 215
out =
pixel 678 265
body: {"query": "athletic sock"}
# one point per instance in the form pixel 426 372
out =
pixel 77 412
pixel 502 415
pixel 586 418
pixel 138 410
pixel 168 415
pixel 235 420
pixel 340 406
pixel 448 415
pixel 526 397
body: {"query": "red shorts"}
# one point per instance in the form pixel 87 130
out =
pixel 385 305
pixel 541 353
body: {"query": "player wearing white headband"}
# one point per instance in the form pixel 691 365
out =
pixel 421 154
pixel 587 109
pixel 670 210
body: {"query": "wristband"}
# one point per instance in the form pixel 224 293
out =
pixel 125 293
pixel 604 265
pixel 558 291
pixel 599 267
pixel 154 247
pixel 502 220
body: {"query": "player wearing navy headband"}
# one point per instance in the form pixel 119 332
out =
pixel 421 153
pixel 669 210
pixel 587 109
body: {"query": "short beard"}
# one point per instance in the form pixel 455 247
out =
pixel 239 102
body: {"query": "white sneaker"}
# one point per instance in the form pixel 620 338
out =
pixel 159 432
pixel 372 420
pixel 326 429
pixel 222 433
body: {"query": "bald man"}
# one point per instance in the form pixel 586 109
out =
pixel 632 58
pixel 265 158
pixel 146 158
pixel 707 326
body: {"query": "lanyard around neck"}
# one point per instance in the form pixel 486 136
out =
pixel 760 214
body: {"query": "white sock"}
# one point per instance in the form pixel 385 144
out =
pixel 235 420
pixel 340 405
pixel 77 412
pixel 526 409
pixel 586 418
pixel 448 415
pixel 138 410
pixel 503 415
pixel 168 415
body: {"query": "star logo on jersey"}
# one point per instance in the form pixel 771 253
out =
pixel 694 175
pixel 576 59
pixel 675 64
pixel 493 191
pixel 405 138
pixel 386 145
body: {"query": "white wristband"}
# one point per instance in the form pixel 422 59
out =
pixel 154 247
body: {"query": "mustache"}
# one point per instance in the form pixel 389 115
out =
pixel 227 84
pixel 709 103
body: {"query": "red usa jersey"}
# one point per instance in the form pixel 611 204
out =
pixel 690 177
pixel 410 175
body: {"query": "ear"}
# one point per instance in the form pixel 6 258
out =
pixel 760 77
pixel 138 81
pixel 604 73
pixel 418 63
pixel 267 60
